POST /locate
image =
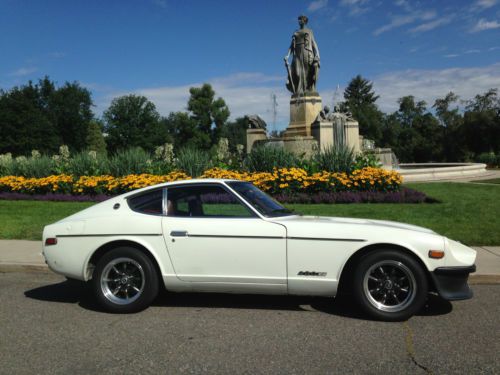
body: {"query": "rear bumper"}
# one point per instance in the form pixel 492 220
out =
pixel 451 282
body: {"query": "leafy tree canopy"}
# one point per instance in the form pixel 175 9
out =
pixel 132 121
pixel 209 114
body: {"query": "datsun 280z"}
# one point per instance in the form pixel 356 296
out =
pixel 228 236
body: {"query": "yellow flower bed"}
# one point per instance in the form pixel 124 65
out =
pixel 288 180
pixel 298 180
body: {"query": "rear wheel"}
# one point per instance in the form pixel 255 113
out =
pixel 125 280
pixel 390 285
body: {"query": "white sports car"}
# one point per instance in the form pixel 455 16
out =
pixel 228 236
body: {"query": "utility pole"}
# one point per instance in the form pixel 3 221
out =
pixel 336 96
pixel 274 106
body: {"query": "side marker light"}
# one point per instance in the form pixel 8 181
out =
pixel 436 254
pixel 51 241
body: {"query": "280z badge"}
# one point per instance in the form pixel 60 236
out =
pixel 311 273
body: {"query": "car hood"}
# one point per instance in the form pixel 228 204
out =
pixel 323 222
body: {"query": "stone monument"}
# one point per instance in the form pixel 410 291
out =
pixel 302 76
pixel 311 126
pixel 256 131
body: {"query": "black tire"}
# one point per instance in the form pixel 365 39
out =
pixel 125 281
pixel 390 285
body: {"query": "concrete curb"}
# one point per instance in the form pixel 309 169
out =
pixel 23 267
pixel 474 279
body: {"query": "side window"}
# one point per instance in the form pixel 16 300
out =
pixel 204 201
pixel 148 203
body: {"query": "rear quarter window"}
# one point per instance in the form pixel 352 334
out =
pixel 150 203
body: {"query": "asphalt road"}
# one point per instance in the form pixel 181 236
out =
pixel 48 325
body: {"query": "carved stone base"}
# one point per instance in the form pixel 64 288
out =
pixel 322 131
pixel 301 145
pixel 255 135
pixel 352 135
pixel 303 112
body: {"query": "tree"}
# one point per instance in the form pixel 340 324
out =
pixel 236 132
pixel 183 131
pixel 359 92
pixel 132 121
pixel 409 110
pixel 454 148
pixel 482 123
pixel 95 139
pixel 419 138
pixel 209 114
pixel 70 112
pixel 25 122
pixel 360 100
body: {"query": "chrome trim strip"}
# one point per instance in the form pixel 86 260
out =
pixel 327 239
pixel 109 235
pixel 224 236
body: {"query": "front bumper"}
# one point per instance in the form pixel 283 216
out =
pixel 451 282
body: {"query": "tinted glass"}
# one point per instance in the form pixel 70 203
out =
pixel 204 201
pixel 148 203
pixel 262 202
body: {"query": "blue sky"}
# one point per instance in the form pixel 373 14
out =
pixel 160 48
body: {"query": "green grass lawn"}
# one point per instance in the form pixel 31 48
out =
pixel 491 181
pixel 26 219
pixel 468 212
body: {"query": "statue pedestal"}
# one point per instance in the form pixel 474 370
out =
pixel 322 131
pixel 254 135
pixel 303 146
pixel 352 135
pixel 303 112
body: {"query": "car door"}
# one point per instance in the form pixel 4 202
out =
pixel 213 237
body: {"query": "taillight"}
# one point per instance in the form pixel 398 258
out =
pixel 51 241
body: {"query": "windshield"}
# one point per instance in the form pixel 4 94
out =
pixel 262 202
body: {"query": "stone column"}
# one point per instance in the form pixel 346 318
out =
pixel 322 131
pixel 352 135
pixel 254 135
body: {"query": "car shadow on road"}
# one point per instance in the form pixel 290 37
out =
pixel 79 292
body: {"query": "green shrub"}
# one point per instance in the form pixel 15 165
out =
pixel 40 166
pixel 6 164
pixel 193 161
pixel 130 161
pixel 335 159
pixel 88 163
pixel 366 159
pixel 264 159
pixel 488 158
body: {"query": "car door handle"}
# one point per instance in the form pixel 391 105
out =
pixel 179 233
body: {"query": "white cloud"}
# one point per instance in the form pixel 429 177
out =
pixel 451 55
pixel 403 4
pixel 405 19
pixel 244 93
pixel 431 25
pixel 483 24
pixel 473 51
pixel 317 5
pixel 431 84
pixel 484 4
pixel 25 71
pixel 356 7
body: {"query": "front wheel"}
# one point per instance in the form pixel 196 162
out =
pixel 125 281
pixel 390 285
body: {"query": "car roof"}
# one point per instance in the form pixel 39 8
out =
pixel 180 182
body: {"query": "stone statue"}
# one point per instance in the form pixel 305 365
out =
pixel 324 114
pixel 304 70
pixel 256 122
